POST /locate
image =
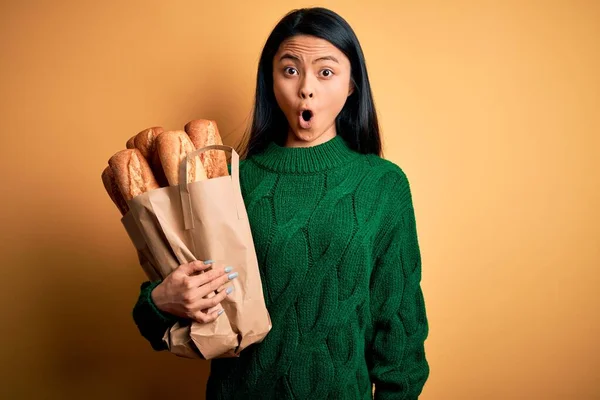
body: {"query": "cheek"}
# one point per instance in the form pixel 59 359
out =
pixel 338 95
pixel 282 90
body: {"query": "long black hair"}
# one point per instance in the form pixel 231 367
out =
pixel 356 123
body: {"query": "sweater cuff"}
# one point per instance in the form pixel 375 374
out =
pixel 147 288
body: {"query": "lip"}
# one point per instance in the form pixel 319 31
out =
pixel 305 124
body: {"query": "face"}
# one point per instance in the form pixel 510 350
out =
pixel 311 81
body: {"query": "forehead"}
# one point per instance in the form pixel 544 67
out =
pixel 308 46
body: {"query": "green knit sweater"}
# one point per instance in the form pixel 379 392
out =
pixel 339 259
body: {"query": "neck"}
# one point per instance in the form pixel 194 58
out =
pixel 306 159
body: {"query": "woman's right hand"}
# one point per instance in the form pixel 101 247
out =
pixel 182 293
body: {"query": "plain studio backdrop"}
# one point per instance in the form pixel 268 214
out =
pixel 491 108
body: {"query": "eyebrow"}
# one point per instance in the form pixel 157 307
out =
pixel 295 58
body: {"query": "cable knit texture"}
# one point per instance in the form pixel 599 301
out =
pixel 340 265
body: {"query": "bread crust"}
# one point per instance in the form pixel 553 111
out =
pixel 145 141
pixel 132 173
pixel 110 184
pixel 172 148
pixel 204 132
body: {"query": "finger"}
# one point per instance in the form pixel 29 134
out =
pixel 212 301
pixel 226 287
pixel 211 275
pixel 197 288
pixel 223 287
pixel 205 318
pixel 213 309
pixel 196 266
pixel 215 284
pixel 193 293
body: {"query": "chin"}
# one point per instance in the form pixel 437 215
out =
pixel 305 136
pixel 302 137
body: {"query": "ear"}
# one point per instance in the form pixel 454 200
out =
pixel 350 89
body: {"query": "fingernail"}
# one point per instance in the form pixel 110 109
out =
pixel 228 269
pixel 208 262
pixel 229 290
pixel 233 276
pixel 221 311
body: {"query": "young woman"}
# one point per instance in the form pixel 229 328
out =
pixel 335 235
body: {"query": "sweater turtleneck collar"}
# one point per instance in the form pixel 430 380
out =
pixel 333 153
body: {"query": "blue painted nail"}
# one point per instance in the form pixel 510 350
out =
pixel 233 276
pixel 228 269
pixel 229 290
pixel 208 262
pixel 220 312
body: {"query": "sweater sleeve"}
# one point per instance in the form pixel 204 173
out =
pixel 397 362
pixel 151 322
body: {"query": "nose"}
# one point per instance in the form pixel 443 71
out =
pixel 304 93
pixel 306 89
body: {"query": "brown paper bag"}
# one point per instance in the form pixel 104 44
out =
pixel 203 220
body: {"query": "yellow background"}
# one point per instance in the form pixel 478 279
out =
pixel 491 108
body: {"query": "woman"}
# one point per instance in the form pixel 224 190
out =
pixel 334 230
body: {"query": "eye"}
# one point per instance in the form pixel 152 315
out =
pixel 326 73
pixel 290 71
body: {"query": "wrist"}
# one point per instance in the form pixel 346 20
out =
pixel 155 300
pixel 156 297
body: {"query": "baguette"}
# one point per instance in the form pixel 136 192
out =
pixel 130 143
pixel 132 173
pixel 158 170
pixel 204 132
pixel 110 184
pixel 172 148
pixel 145 142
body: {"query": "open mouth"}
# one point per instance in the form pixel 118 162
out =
pixel 307 115
pixel 305 119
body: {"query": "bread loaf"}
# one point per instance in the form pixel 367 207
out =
pixel 145 142
pixel 204 132
pixel 130 143
pixel 132 173
pixel 172 148
pixel 110 184
pixel 158 170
